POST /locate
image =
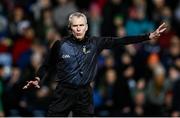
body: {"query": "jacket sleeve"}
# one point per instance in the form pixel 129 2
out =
pixel 110 42
pixel 49 62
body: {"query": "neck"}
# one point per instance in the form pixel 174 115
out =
pixel 82 40
pixel 78 39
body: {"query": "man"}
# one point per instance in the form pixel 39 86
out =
pixel 75 60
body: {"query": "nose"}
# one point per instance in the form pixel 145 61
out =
pixel 78 29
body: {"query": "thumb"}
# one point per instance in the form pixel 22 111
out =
pixel 37 86
pixel 25 87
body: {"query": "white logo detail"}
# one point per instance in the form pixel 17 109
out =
pixel 65 56
pixel 85 51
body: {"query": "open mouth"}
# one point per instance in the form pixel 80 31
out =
pixel 78 34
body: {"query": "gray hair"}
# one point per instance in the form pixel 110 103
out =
pixel 76 14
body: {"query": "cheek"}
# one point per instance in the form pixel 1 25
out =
pixel 73 30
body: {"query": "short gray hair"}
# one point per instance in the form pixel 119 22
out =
pixel 76 14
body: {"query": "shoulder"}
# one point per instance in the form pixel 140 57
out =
pixel 94 39
pixel 58 43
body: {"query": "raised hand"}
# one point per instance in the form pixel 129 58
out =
pixel 33 83
pixel 157 33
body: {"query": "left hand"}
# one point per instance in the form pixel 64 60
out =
pixel 156 34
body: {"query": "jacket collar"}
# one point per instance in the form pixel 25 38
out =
pixel 74 40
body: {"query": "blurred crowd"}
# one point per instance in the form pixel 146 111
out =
pixel 133 80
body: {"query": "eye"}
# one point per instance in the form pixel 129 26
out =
pixel 75 25
pixel 81 25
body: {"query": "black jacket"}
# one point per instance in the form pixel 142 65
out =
pixel 76 61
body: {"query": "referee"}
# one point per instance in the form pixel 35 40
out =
pixel 75 60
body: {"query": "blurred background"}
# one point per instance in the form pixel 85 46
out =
pixel 133 80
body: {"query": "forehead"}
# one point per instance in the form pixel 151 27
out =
pixel 78 20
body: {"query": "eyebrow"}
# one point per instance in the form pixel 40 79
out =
pixel 78 24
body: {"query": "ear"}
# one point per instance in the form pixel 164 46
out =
pixel 86 27
pixel 69 27
pixel 69 30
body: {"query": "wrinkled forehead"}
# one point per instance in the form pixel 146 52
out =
pixel 77 17
pixel 78 20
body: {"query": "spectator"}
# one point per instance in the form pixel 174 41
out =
pixel 4 26
pixel 110 10
pixel 168 104
pixel 177 17
pixel 106 90
pixel 17 16
pixel 95 19
pixel 37 7
pixel 14 105
pixel 1 90
pixel 176 97
pixel 174 76
pixel 22 47
pixel 156 91
pixel 139 104
pixel 137 22
pixel 173 52
pixel 63 9
pixel 44 24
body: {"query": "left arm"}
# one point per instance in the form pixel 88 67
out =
pixel 109 42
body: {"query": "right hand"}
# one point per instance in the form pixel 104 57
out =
pixel 33 83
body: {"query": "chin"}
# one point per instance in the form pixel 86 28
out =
pixel 80 37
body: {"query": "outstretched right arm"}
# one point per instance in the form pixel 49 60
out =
pixel 48 64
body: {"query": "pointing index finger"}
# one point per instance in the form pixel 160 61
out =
pixel 162 30
pixel 161 26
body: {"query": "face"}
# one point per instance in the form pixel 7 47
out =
pixel 79 27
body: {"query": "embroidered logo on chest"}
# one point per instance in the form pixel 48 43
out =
pixel 65 56
pixel 86 50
